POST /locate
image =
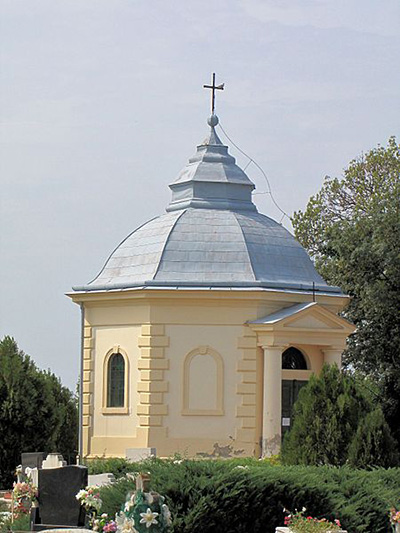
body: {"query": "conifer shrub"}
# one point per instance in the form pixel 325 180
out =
pixel 373 443
pixel 113 465
pixel 226 496
pixel 332 415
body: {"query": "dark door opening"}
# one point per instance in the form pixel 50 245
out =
pixel 290 393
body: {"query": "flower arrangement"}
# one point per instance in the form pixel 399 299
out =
pixel 103 524
pixel 394 516
pixel 143 512
pixel 90 499
pixel 299 523
pixel 24 489
pixel 24 493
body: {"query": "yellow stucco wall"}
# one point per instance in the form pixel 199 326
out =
pixel 105 339
pixel 178 408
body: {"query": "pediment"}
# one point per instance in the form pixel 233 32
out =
pixel 312 322
pixel 309 316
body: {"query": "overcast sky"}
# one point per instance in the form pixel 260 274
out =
pixel 102 104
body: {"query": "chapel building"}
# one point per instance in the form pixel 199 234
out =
pixel 203 325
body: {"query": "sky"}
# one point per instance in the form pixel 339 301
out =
pixel 102 103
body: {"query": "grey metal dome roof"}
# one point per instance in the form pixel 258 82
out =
pixel 211 236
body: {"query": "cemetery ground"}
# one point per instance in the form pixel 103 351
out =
pixel 248 495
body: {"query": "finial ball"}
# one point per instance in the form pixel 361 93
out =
pixel 212 120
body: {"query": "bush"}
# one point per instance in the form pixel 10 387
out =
pixel 114 465
pixel 22 523
pixel 373 444
pixel 332 413
pixel 226 496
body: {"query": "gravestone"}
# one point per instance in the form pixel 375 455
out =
pixel 139 454
pixel 99 480
pixel 31 460
pixel 54 460
pixel 57 504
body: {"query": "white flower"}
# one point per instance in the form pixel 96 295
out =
pixel 148 518
pixel 166 514
pixel 303 510
pixel 81 494
pixel 125 524
pixel 128 505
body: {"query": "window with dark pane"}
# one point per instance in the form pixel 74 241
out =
pixel 293 359
pixel 116 381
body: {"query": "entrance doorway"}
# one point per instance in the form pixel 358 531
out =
pixel 290 393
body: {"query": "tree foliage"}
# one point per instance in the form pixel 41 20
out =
pixel 36 412
pixel 351 227
pixel 333 412
pixel 373 443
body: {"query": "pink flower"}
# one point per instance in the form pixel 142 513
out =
pixel 110 527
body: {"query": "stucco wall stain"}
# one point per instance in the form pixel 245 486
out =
pixel 224 452
pixel 271 446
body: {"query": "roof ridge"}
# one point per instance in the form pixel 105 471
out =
pixel 166 242
pixel 116 248
pixel 245 243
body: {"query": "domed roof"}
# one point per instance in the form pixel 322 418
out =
pixel 211 236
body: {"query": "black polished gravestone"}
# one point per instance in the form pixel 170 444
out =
pixel 57 503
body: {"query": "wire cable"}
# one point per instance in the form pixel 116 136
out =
pixel 251 160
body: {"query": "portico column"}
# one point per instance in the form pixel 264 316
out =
pixel 333 355
pixel 272 401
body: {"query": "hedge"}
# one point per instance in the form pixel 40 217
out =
pixel 248 495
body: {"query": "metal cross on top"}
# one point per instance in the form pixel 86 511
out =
pixel 213 87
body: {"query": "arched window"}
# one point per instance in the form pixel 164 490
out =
pixel 293 359
pixel 116 381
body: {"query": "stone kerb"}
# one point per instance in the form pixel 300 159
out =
pixel 65 530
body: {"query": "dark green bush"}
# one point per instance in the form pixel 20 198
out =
pixel 373 444
pixel 335 422
pixel 226 496
pixel 114 465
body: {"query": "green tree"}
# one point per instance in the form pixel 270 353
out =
pixel 351 227
pixel 36 412
pixel 326 417
pixel 373 444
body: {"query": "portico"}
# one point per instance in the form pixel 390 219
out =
pixel 309 325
